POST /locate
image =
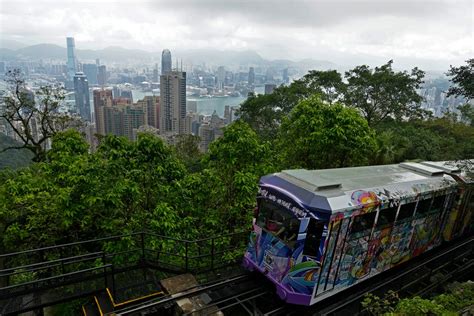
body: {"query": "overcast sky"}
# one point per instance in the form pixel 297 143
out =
pixel 428 33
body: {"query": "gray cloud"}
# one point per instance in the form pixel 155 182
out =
pixel 349 31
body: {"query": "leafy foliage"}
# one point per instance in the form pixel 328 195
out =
pixel 456 297
pixel 317 135
pixel 463 80
pixel 34 124
pixel 382 93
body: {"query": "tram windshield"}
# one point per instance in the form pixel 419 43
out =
pixel 278 221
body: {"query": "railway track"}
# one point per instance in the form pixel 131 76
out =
pixel 252 294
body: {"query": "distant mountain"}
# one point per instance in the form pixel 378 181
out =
pixel 7 54
pixel 218 57
pixel 210 57
pixel 42 51
pixel 11 44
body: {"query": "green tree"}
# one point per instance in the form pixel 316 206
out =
pixel 264 113
pixel 187 150
pixel 463 80
pixel 34 123
pixel 328 84
pixel 382 93
pixel 237 160
pixel 467 114
pixel 317 135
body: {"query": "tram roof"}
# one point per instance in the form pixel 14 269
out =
pixel 331 190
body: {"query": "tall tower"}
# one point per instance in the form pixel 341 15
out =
pixel 251 80
pixel 90 70
pixel 165 61
pixel 220 77
pixel 102 99
pixel 81 93
pixel 173 102
pixel 71 58
pixel 102 75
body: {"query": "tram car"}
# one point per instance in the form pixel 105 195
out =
pixel 318 232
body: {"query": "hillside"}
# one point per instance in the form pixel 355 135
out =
pixel 13 158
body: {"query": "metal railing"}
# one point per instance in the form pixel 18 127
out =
pixel 44 268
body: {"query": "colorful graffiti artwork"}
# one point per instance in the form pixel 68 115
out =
pixel 283 264
pixel 361 197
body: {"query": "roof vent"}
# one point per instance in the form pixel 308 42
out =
pixel 311 179
pixel 443 165
pixel 328 186
pixel 417 167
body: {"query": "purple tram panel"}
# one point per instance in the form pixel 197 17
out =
pixel 317 232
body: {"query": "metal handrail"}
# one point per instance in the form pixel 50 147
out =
pixel 45 264
pixel 105 266
pixel 6 255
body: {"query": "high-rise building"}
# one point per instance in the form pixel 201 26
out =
pixel 251 80
pixel 102 99
pixel 90 70
pixel 81 94
pixel 155 73
pixel 165 61
pixel 269 75
pixel 172 102
pixel 71 58
pixel 220 77
pixel 151 104
pixel 102 75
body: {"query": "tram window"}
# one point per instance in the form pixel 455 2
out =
pixel 438 203
pixel 386 216
pixel 363 222
pixel 278 221
pixel 406 211
pixel 313 237
pixel 423 206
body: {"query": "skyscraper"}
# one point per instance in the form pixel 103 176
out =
pixel 165 61
pixel 220 77
pixel 71 58
pixel 102 99
pixel 81 93
pixel 90 70
pixel 102 75
pixel 155 73
pixel 172 102
pixel 251 80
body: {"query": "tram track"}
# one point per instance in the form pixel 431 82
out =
pixel 252 294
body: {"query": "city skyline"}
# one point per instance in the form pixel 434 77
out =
pixel 430 34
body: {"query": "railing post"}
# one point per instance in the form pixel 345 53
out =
pixel 186 256
pixel 105 269
pixel 212 253
pixel 113 281
pixel 142 234
pixel 61 255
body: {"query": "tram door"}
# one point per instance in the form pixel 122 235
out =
pixel 314 234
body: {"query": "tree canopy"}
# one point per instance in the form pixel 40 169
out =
pixel 316 135
pixel 463 80
pixel 34 123
pixel 383 93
